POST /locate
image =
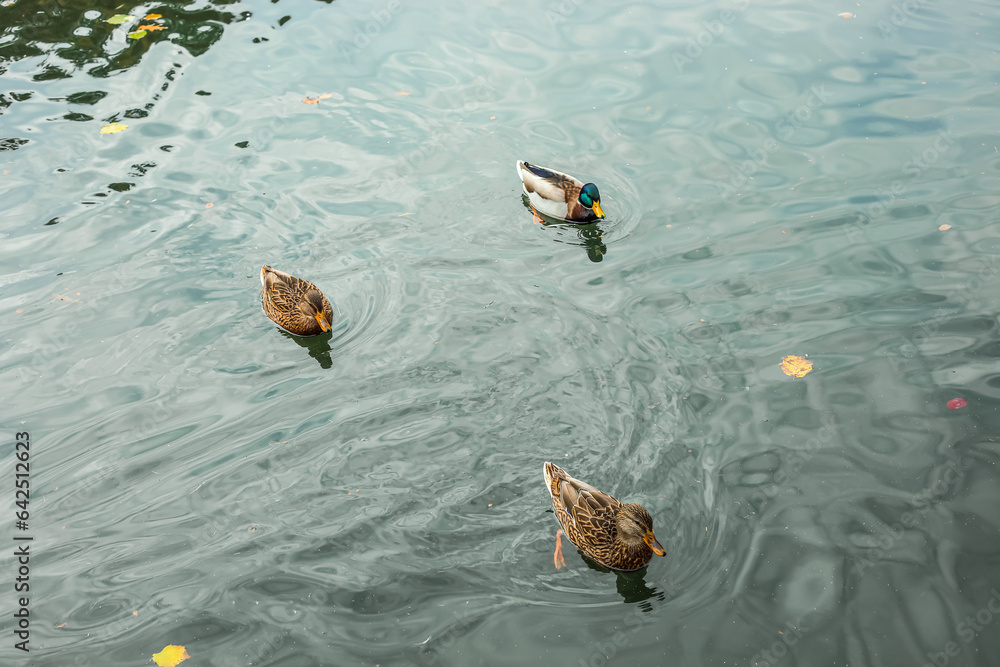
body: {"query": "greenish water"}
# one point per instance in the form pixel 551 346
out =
pixel 776 177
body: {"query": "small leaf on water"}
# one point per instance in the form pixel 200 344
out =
pixel 956 403
pixel 944 228
pixel 152 26
pixel 138 34
pixel 171 656
pixel 310 100
pixel 118 19
pixel 112 128
pixel 151 17
pixel 796 366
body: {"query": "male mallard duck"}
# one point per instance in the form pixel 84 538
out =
pixel 295 305
pixel 559 195
pixel 616 535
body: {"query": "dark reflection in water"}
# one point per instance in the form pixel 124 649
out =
pixel 631 585
pixel 77 36
pixel 317 346
pixel 591 236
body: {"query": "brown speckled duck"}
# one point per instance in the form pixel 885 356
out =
pixel 295 305
pixel 616 535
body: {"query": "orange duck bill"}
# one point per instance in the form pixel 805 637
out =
pixel 650 540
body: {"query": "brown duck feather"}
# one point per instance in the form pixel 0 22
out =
pixel 616 535
pixel 294 304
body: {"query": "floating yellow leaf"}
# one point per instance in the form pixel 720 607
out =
pixel 171 656
pixel 137 34
pixel 151 17
pixel 796 366
pixel 152 26
pixel 112 128
pixel 118 19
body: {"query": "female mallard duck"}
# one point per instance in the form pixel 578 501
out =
pixel 559 195
pixel 295 305
pixel 616 535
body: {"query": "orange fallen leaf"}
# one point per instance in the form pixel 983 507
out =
pixel 944 228
pixel 61 625
pixel 152 26
pixel 171 656
pixel 310 100
pixel 845 15
pixel 135 613
pixel 151 17
pixel 796 366
pixel 209 205
pixel 19 310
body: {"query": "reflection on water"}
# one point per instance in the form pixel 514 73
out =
pixel 317 346
pixel 778 180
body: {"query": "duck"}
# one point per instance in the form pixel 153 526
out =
pixel 294 304
pixel 559 195
pixel 617 535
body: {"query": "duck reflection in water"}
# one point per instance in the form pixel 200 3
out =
pixel 589 236
pixel 631 586
pixel 317 346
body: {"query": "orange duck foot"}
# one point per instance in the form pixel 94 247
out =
pixel 557 556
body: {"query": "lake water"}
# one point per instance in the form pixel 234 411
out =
pixel 780 178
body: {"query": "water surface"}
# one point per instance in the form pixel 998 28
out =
pixel 779 180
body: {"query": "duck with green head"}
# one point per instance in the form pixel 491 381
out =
pixel 558 195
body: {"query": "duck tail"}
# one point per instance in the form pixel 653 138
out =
pixel 553 474
pixel 520 165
